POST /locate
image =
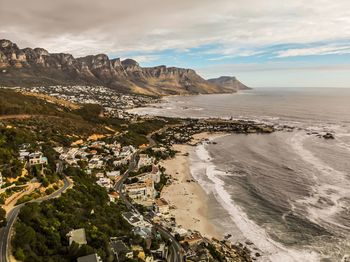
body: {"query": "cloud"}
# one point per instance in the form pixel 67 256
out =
pixel 119 27
pixel 144 58
pixel 277 67
pixel 318 50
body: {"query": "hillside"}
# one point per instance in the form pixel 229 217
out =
pixel 229 82
pixel 32 67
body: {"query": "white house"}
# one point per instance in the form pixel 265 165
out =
pixel 37 158
pixel 113 175
pixel 78 236
pixel 144 160
pixel 104 182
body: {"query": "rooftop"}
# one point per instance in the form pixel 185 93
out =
pixel 90 258
pixel 119 247
pixel 78 236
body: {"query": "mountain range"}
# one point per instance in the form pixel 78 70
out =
pixel 33 67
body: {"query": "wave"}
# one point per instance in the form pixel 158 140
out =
pixel 213 184
pixel 331 188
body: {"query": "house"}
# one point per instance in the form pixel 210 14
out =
pixel 141 191
pixel 104 182
pixel 23 155
pixel 161 252
pixel 113 175
pixel 113 197
pixel 119 249
pixel 155 173
pixel 90 258
pixel 181 231
pixel 78 236
pixel 99 175
pixel 126 151
pixel 37 158
pixel 144 232
pixel 144 160
pixel 120 162
pixel 133 219
pixel 193 239
pixel 161 206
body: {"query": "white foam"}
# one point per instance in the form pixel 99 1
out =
pixel 212 183
pixel 329 184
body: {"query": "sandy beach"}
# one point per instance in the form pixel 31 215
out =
pixel 188 198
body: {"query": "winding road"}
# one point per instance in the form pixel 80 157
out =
pixel 5 232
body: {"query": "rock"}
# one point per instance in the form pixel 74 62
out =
pixel 328 136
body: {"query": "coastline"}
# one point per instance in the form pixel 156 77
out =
pixel 189 201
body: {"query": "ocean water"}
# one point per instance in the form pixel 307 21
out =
pixel 287 192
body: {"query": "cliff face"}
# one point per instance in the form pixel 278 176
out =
pixel 39 67
pixel 229 82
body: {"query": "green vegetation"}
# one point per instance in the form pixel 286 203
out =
pixel 2 217
pixel 167 153
pixel 163 180
pixel 42 228
pixel 15 103
pixel 10 141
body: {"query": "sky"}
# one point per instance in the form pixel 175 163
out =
pixel 263 43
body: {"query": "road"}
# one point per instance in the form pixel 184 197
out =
pixel 176 254
pixel 5 232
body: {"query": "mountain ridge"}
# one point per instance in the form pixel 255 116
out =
pixel 37 66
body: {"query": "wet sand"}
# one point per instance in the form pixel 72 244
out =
pixel 191 203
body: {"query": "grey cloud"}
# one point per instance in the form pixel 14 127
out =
pixel 86 26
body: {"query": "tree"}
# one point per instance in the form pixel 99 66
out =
pixel 2 217
pixel 19 254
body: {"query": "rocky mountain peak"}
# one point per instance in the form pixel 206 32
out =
pixel 38 66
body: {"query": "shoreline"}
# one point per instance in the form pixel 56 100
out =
pixel 189 202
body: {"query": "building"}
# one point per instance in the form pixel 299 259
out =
pixel 144 160
pixel 120 250
pixel 114 175
pixel 133 219
pixel 161 252
pixel 113 197
pixel 78 236
pixel 23 155
pixel 155 173
pixel 161 206
pixel 126 151
pixel 104 182
pixel 90 258
pixel 37 158
pixel 144 232
pixel 141 191
pixel 194 238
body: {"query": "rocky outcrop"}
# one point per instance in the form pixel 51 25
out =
pixel 37 66
pixel 229 82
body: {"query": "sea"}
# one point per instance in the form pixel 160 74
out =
pixel 286 195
